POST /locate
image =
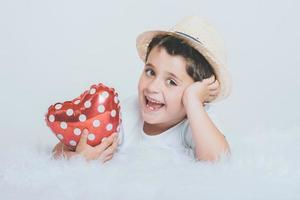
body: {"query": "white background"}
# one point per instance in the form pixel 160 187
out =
pixel 51 51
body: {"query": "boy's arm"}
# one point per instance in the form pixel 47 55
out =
pixel 209 141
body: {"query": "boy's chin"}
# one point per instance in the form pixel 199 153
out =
pixel 150 119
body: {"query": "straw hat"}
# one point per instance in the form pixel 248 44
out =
pixel 201 35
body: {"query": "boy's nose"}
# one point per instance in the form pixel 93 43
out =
pixel 154 86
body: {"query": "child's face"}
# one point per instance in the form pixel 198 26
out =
pixel 161 88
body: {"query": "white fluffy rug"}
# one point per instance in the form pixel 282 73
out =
pixel 263 165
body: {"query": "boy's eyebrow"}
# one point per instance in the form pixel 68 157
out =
pixel 169 73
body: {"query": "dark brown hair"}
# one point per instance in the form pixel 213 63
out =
pixel 197 67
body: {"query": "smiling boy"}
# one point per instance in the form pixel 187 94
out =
pixel 184 70
pixel 168 95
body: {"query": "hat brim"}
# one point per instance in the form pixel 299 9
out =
pixel 222 74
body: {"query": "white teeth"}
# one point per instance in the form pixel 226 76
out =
pixel 151 108
pixel 153 101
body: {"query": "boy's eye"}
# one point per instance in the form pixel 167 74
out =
pixel 149 72
pixel 171 82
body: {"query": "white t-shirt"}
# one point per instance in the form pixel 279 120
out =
pixel 177 138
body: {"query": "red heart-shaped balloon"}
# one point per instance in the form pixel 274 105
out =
pixel 97 110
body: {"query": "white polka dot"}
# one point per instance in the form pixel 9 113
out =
pixel 77 102
pixel 105 94
pixel 60 136
pixel 63 125
pixel 101 108
pixel 58 106
pixel 77 131
pixel 116 100
pixel 109 127
pixel 102 98
pixel 91 136
pixel 113 113
pixel 87 104
pixel 93 91
pixel 72 143
pixel 96 123
pixel 51 118
pixel 82 117
pixel 70 112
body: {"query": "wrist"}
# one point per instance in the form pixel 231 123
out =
pixel 191 103
pixel 190 97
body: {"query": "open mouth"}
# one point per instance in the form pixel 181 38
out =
pixel 152 104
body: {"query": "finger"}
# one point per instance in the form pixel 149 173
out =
pixel 107 158
pixel 57 155
pixel 207 98
pixel 117 141
pixel 57 151
pixel 57 147
pixel 114 135
pixel 111 149
pixel 67 148
pixel 105 143
pixel 211 98
pixel 103 156
pixel 210 80
pixel 69 154
pixel 62 151
pixel 214 92
pixel 115 145
pixel 83 138
pixel 215 85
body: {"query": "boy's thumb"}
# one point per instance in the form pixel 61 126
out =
pixel 84 136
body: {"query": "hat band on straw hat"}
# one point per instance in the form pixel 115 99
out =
pixel 191 37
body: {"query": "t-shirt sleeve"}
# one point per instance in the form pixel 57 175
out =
pixel 130 116
pixel 187 136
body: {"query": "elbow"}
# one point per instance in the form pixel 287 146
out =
pixel 208 158
pixel 214 157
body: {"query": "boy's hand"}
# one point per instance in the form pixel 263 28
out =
pixel 206 90
pixel 104 151
pixel 62 150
